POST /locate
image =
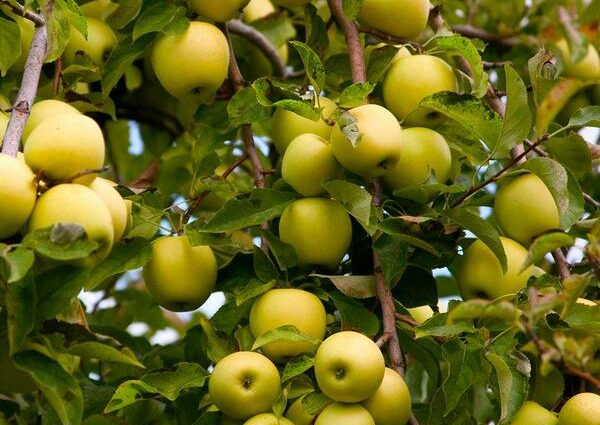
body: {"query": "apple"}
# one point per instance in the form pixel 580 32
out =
pixel 524 208
pixel 291 3
pixel 582 409
pixel 179 276
pixel 400 18
pixel 349 367
pixel 421 314
pixel 257 9
pixel 76 204
pixel 194 63
pixel 287 125
pixel 64 146
pixel 218 11
pixel 116 205
pixel 4 103
pixel 268 419
pixel 251 59
pixel 226 420
pixel 319 229
pixel 479 273
pixel 411 79
pixel 279 307
pixel 44 109
pixel 298 414
pixel 401 53
pixel 307 162
pixel 346 414
pixel 98 9
pixel 100 41
pixel 378 147
pixel 391 403
pixel 17 194
pixel 244 384
pixel 425 152
pixel 587 68
pixel 4 118
pixel 533 414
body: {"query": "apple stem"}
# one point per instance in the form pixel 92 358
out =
pixel 57 76
pixel 355 50
pixel 561 263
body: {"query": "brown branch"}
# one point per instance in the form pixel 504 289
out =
pixel 145 179
pixel 567 23
pixel 355 50
pixel 435 20
pixel 561 263
pixel 20 10
pixel 571 370
pixel 474 32
pixel 57 76
pixel 387 38
pixel 406 319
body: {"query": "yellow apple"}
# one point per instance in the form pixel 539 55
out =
pixel 65 145
pixel 524 208
pixel 268 419
pixel 400 18
pixel 421 314
pixel 378 147
pixel 115 203
pixel 346 414
pixel 180 277
pixel 587 68
pixel 193 63
pixel 44 109
pixel 307 162
pixel 533 414
pixel 226 420
pixel 258 9
pixel 298 414
pixel 391 403
pixel 100 41
pixel 582 409
pixel 425 153
pixel 4 118
pixel 319 229
pixel 411 79
pixel 17 194
pixel 98 9
pixel 287 125
pixel 479 273
pixel 244 384
pixel 218 11
pixel 291 3
pixel 4 103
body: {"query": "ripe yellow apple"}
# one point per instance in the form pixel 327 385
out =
pixel 379 146
pixel 193 63
pixel 226 420
pixel 258 9
pixel 244 384
pixel 524 208
pixel 291 3
pixel 349 367
pixel 587 68
pixel 425 153
pixel 65 145
pixel 98 9
pixel 76 204
pixel 533 414
pixel 287 125
pixel 347 414
pixel 582 409
pixel 307 162
pixel 409 80
pixel 279 307
pixel 298 415
pixel 479 273
pixel 44 109
pixel 421 314
pixel 391 403
pixel 218 11
pixel 400 18
pixel 4 118
pixel 100 41
pixel 116 205
pixel 319 229
pixel 180 277
pixel 17 194
pixel 268 419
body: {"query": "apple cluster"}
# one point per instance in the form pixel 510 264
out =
pixel 581 409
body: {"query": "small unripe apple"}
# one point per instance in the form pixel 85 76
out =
pixel 587 68
pixel 291 3
pixel 218 11
pixel 298 414
pixel 400 18
pixel 268 419
pixel 378 147
pixel 319 229
pixel 116 205
pixel 258 9
pixel 343 413
pixel 533 414
pixel 582 409
pixel 180 277
pixel 524 208
pixel 100 41
pixel 44 109
pixel 17 194
pixel 391 403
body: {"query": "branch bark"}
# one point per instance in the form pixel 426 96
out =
pixel 355 50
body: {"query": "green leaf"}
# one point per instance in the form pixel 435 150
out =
pixel 121 59
pixel 218 347
pixel 182 376
pixel 355 95
pixel 304 109
pixel 296 366
pixel 316 30
pixel 229 315
pixel 511 375
pixel 355 199
pixel 58 27
pixel 62 242
pixel 126 11
pixel 56 288
pixel 315 71
pixel 354 315
pixel 10 44
pixel 438 326
pixel 396 226
pixel 353 286
pixel 244 108
pixel 572 152
pixel 284 253
pixel 287 333
pixel 484 310
pixel 392 252
pixel 103 352
pixel 544 244
pixel 586 117
pixel 20 304
pixel 464 46
pixel 583 317
pixel 252 290
pixel 156 18
pixel 352 8
pixel 128 393
pixel 379 62
pixel 263 266
pixel 19 261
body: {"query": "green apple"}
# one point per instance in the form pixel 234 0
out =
pixel 44 109
pixel 76 204
pixel 582 409
pixel 268 419
pixel 298 413
pixel 100 41
pixel 115 203
pixel 179 276
pixel 319 229
pixel 400 18
pixel 280 307
pixel 533 414
pixel 291 3
pixel 421 314
pixel 587 68
pixel 244 384
pixel 218 11
pixel 411 79
pixel 524 208
pixel 379 144
pixel 391 403
pixel 425 153
pixel 17 194
pixel 479 273
pixel 346 414
pixel 258 9
pixel 64 146
pixel 349 367
pixel 287 125
pixel 98 9
pixel 4 119
pixel 193 63
pixel 307 162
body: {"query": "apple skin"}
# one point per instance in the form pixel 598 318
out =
pixel 193 63
pixel 391 403
pixel 298 414
pixel 409 80
pixel 17 194
pixel 307 162
pixel 287 125
pixel 401 18
pixel 218 11
pixel 98 9
pixel 116 205
pixel 425 152
pixel 4 118
pixel 268 419
pixel 44 109
pixel 421 314
pixel 244 384
pixel 291 3
pixel 479 273
pixel 226 420
pixel 346 414
pixel 380 144
pixel 78 204
pixel 279 307
pixel 345 375
pixel 582 409
pixel 257 9
pixel 180 277
pixel 533 414
pixel 100 41
pixel 587 68
pixel 64 145
pixel 524 208
pixel 319 229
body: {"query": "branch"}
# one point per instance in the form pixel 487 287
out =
pixel 355 50
pixel 385 37
pixel 561 263
pixel 57 76
pixel 20 10
pixel 567 23
pixel 474 32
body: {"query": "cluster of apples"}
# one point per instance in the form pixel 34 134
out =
pixel 581 409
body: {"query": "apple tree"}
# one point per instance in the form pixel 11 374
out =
pixel 296 212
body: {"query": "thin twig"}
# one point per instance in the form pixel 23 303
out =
pixel 21 10
pixel 385 37
pixel 474 32
pixel 57 75
pixel 561 263
pixel 355 50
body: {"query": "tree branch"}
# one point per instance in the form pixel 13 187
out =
pixel 355 50
pixel 385 37
pixel 561 263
